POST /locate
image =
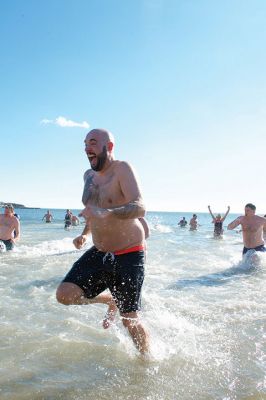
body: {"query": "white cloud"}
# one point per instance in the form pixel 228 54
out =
pixel 65 123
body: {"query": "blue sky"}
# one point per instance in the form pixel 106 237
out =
pixel 180 84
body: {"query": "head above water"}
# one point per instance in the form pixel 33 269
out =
pixel 9 209
pixel 250 209
pixel 218 216
pixel 99 144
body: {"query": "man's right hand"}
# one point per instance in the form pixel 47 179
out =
pixel 79 241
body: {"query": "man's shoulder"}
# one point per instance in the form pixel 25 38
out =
pixel 254 219
pixel 87 173
pixel 261 219
pixel 121 163
pixel 122 166
pixel 257 217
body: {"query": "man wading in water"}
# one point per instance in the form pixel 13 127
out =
pixel 114 214
pixel 252 229
pixel 9 227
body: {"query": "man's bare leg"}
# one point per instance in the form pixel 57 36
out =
pixel 69 293
pixel 110 314
pixel 137 331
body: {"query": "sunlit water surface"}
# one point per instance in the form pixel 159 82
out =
pixel 203 306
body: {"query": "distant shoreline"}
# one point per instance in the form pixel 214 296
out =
pixel 16 205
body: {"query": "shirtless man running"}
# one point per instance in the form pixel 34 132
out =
pixel 252 229
pixel 114 214
pixel 9 227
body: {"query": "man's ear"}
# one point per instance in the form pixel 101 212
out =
pixel 110 146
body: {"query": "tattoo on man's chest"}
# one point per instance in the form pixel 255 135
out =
pixel 91 192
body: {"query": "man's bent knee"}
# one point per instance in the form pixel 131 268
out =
pixel 68 293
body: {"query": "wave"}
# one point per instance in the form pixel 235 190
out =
pixel 46 248
pixel 253 262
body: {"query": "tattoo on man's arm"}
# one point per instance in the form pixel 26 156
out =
pixel 134 209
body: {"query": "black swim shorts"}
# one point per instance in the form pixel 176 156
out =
pixel 123 275
pixel 258 248
pixel 9 244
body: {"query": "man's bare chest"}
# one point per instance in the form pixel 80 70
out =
pixel 251 227
pixel 102 192
pixel 6 222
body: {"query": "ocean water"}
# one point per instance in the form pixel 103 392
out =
pixel 203 305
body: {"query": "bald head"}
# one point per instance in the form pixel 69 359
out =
pixel 101 134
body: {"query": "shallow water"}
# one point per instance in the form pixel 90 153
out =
pixel 203 306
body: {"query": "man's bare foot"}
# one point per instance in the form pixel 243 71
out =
pixel 109 316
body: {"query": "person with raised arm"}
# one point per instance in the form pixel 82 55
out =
pixel 218 221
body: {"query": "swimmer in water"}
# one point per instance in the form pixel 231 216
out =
pixel 74 220
pixel 48 217
pixel 68 218
pixel 182 223
pixel 218 222
pixel 193 223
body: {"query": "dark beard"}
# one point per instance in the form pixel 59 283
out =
pixel 101 158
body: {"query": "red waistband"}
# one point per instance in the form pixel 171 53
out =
pixel 130 250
